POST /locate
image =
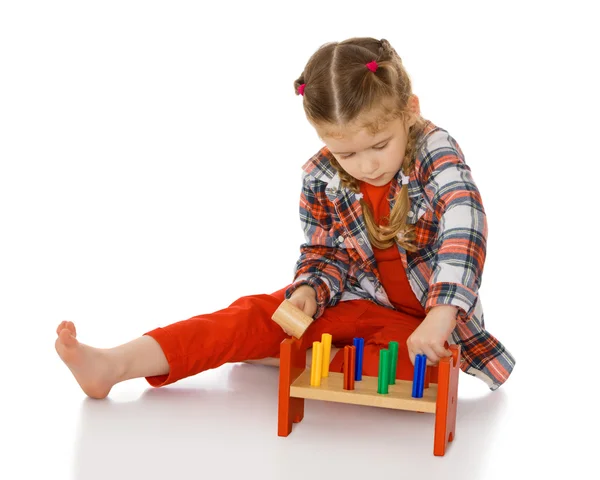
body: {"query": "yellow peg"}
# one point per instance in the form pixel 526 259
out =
pixel 319 366
pixel 326 341
pixel 314 373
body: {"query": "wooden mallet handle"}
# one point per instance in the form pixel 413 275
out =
pixel 291 319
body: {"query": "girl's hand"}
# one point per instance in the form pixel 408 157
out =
pixel 305 298
pixel 430 337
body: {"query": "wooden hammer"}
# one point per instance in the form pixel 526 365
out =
pixel 291 319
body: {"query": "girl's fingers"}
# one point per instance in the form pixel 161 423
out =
pixel 412 356
pixel 441 352
pixel 298 302
pixel 424 351
pixel 432 358
pixel 433 353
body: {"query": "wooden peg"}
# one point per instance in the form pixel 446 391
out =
pixel 291 319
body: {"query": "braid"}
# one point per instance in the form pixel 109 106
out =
pixel 397 231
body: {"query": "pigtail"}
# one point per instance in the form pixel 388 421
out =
pixel 297 84
pixel 398 230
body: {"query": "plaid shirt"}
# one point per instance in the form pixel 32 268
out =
pixel 337 259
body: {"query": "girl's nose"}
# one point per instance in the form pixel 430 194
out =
pixel 368 167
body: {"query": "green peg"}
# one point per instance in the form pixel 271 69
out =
pixel 384 371
pixel 393 348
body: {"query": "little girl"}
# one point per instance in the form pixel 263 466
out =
pixel 395 244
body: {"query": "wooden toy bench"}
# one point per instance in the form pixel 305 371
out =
pixel 439 395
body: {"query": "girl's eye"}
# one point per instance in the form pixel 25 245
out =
pixel 376 148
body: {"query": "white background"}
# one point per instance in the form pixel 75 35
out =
pixel 150 171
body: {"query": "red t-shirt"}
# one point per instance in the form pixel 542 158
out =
pixel 389 263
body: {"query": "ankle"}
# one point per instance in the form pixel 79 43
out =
pixel 117 367
pixel 142 357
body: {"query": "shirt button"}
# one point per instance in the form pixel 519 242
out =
pixel 361 241
pixel 340 239
pixel 411 214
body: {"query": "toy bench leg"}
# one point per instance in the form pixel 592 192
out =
pixel 292 362
pixel 447 398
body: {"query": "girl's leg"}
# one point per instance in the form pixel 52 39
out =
pixel 340 321
pixel 361 318
pixel 242 331
pixel 379 326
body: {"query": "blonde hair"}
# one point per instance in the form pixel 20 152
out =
pixel 338 89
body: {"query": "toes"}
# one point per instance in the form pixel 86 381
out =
pixel 60 327
pixel 72 328
pixel 66 325
pixel 67 338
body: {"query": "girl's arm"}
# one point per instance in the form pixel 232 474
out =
pixel 462 234
pixel 322 265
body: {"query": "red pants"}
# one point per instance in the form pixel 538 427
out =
pixel 245 331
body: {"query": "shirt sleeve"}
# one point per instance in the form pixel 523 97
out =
pixel 322 265
pixel 462 234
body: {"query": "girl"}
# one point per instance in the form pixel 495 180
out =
pixel 395 244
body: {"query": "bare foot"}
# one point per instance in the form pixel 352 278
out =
pixel 91 367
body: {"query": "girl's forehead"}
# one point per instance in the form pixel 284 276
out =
pixel 366 125
pixel 348 135
pixel 358 130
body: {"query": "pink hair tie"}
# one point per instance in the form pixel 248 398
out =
pixel 372 66
pixel 301 89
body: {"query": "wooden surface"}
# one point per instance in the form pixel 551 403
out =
pixel 365 393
